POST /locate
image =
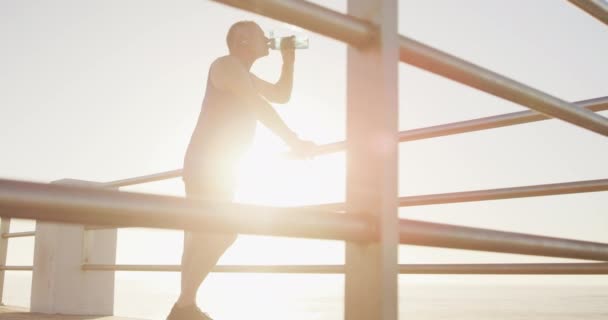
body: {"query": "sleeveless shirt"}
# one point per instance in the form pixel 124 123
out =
pixel 224 131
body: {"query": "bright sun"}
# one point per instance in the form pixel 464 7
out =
pixel 267 177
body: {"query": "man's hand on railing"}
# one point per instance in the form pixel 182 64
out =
pixel 301 149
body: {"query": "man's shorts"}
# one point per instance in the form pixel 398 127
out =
pixel 213 185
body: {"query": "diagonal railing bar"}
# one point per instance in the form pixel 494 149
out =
pixel 91 206
pixel 596 8
pixel 453 268
pixel 313 17
pixel 507 268
pixel 451 67
pixel 337 25
pixel 19 234
pixel 423 233
pixel 490 194
pixel 16 268
pixel 507 193
pixel 142 179
pixel 503 120
pixel 508 119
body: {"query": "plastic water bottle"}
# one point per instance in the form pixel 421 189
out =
pixel 292 42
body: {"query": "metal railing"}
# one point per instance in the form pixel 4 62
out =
pixel 100 208
pixel 596 8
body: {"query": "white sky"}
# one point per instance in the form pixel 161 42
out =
pixel 106 90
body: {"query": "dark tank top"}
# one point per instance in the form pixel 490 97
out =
pixel 224 131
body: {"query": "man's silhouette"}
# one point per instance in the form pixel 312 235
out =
pixel 235 100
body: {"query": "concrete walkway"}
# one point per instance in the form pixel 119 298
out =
pixel 17 313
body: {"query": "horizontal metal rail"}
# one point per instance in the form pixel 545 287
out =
pixel 19 234
pixel 89 227
pixel 596 8
pixel 503 120
pixel 490 194
pixel 495 269
pixel 89 206
pixel 507 193
pixel 143 179
pixel 81 205
pixel 507 268
pixel 459 237
pixel 16 268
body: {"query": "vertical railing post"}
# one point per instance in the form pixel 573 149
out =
pixel 5 227
pixel 371 290
pixel 59 285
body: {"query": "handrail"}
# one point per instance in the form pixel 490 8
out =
pixel 82 205
pixel 92 206
pixel 19 234
pixel 490 194
pixel 459 237
pixel 335 24
pixel 596 8
pixel 142 179
pixel 492 122
pixel 507 193
pixel 16 268
pixel 508 268
pixel 494 268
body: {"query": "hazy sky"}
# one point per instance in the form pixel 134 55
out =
pixel 106 90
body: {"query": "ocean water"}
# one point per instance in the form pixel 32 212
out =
pixel 320 297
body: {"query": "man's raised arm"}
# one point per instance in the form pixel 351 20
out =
pixel 228 74
pixel 279 92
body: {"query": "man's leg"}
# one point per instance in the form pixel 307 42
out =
pixel 203 250
pixel 201 253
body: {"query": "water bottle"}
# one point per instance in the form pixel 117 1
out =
pixel 293 42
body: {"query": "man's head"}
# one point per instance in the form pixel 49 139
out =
pixel 246 37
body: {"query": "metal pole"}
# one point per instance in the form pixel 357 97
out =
pixel 143 179
pixel 19 234
pixel 16 268
pixel 459 237
pixel 489 194
pixel 84 205
pixel 494 269
pixel 596 8
pixel 507 193
pixel 372 128
pixel 5 226
pixel 503 120
pixel 451 67
pixel 507 268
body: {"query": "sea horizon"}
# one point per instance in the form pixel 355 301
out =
pixel 320 297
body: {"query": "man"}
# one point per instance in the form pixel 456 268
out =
pixel 234 100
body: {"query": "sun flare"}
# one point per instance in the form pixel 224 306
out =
pixel 268 177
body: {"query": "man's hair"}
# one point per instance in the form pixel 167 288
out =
pixel 239 33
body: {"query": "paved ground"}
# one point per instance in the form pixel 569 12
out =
pixel 17 313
